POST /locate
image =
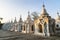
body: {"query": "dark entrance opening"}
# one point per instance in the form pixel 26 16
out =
pixel 24 28
pixel 40 28
pixel 21 27
pixel 1 26
pixel 45 28
pixel 32 27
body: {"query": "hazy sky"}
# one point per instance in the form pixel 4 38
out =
pixel 9 9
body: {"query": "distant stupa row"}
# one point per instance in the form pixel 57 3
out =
pixel 41 25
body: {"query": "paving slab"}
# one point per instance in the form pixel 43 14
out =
pixel 7 35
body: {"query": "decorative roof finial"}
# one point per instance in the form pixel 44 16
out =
pixel 15 21
pixel 28 15
pixel 28 12
pixel 20 20
pixel 43 4
pixel 58 13
pixel 44 12
pixel 20 16
pixel 58 16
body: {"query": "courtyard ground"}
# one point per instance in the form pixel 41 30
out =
pixel 7 35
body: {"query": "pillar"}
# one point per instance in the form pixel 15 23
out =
pixel 48 34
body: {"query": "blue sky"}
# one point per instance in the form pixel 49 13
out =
pixel 14 8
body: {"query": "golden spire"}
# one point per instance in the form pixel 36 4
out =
pixel 58 13
pixel 43 4
pixel 44 12
pixel 15 21
pixel 58 16
pixel 28 15
pixel 20 20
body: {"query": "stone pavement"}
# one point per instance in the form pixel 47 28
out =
pixel 7 35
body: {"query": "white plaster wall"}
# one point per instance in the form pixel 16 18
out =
pixel 19 28
pixel 57 23
pixel 36 29
pixel 48 34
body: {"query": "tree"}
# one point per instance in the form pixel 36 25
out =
pixel 34 15
pixel 0 20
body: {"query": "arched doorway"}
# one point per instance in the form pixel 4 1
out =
pixel 45 28
pixel 23 28
pixel 40 28
pixel 32 27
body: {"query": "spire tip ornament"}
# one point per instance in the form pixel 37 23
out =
pixel 58 13
pixel 28 12
pixel 43 4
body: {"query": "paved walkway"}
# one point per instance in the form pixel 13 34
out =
pixel 7 35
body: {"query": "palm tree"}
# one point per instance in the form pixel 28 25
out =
pixel 34 15
pixel 0 20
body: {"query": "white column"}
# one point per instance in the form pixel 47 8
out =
pixel 18 28
pixel 25 28
pixel 48 30
pixel 43 29
pixel 36 29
